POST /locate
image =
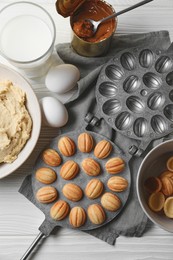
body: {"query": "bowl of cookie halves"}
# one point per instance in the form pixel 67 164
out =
pixel 79 181
pixel 155 185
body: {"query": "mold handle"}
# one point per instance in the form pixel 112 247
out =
pixel 32 246
pixel 170 49
pixel 45 229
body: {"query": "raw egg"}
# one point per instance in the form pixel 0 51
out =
pixel 62 78
pixel 54 113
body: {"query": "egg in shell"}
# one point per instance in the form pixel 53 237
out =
pixel 54 113
pixel 62 78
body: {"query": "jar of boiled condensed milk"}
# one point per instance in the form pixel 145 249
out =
pixel 83 42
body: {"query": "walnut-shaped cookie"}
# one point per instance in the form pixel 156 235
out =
pixel 72 192
pixel 45 175
pixel 91 167
pixel 117 184
pixel 103 149
pixel 110 201
pixel 51 157
pixel 85 143
pixel 59 210
pixel 94 189
pixel 77 217
pixel 66 146
pixel 46 194
pixel 96 214
pixel 115 165
pixel 69 170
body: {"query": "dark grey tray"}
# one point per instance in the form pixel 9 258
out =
pixel 82 179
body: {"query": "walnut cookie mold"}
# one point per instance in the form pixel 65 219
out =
pixel 76 189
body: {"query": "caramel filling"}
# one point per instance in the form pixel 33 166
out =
pixel 95 10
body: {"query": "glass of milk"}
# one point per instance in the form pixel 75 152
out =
pixel 27 37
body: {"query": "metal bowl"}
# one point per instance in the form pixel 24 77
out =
pixel 153 165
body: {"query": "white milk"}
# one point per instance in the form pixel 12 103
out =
pixel 25 38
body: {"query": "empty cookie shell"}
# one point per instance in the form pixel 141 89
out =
pixel 156 201
pixel 169 164
pixel 168 207
pixel 153 184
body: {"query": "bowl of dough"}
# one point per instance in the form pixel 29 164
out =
pixel 155 185
pixel 20 120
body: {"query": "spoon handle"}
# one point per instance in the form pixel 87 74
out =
pixel 134 6
pixel 126 10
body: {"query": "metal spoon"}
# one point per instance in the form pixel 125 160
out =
pixel 95 24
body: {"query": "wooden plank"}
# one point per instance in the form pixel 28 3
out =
pixel 86 247
pixel 19 219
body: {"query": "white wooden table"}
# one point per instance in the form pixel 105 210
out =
pixel 19 219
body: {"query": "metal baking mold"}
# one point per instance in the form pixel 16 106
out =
pixel 134 93
pixel 81 179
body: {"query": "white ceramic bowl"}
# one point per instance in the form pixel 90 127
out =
pixel 33 107
pixel 153 165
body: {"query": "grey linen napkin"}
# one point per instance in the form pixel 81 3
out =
pixel 131 221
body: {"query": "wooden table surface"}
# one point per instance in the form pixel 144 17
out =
pixel 19 219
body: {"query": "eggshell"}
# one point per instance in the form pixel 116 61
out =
pixel 62 78
pixel 54 113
